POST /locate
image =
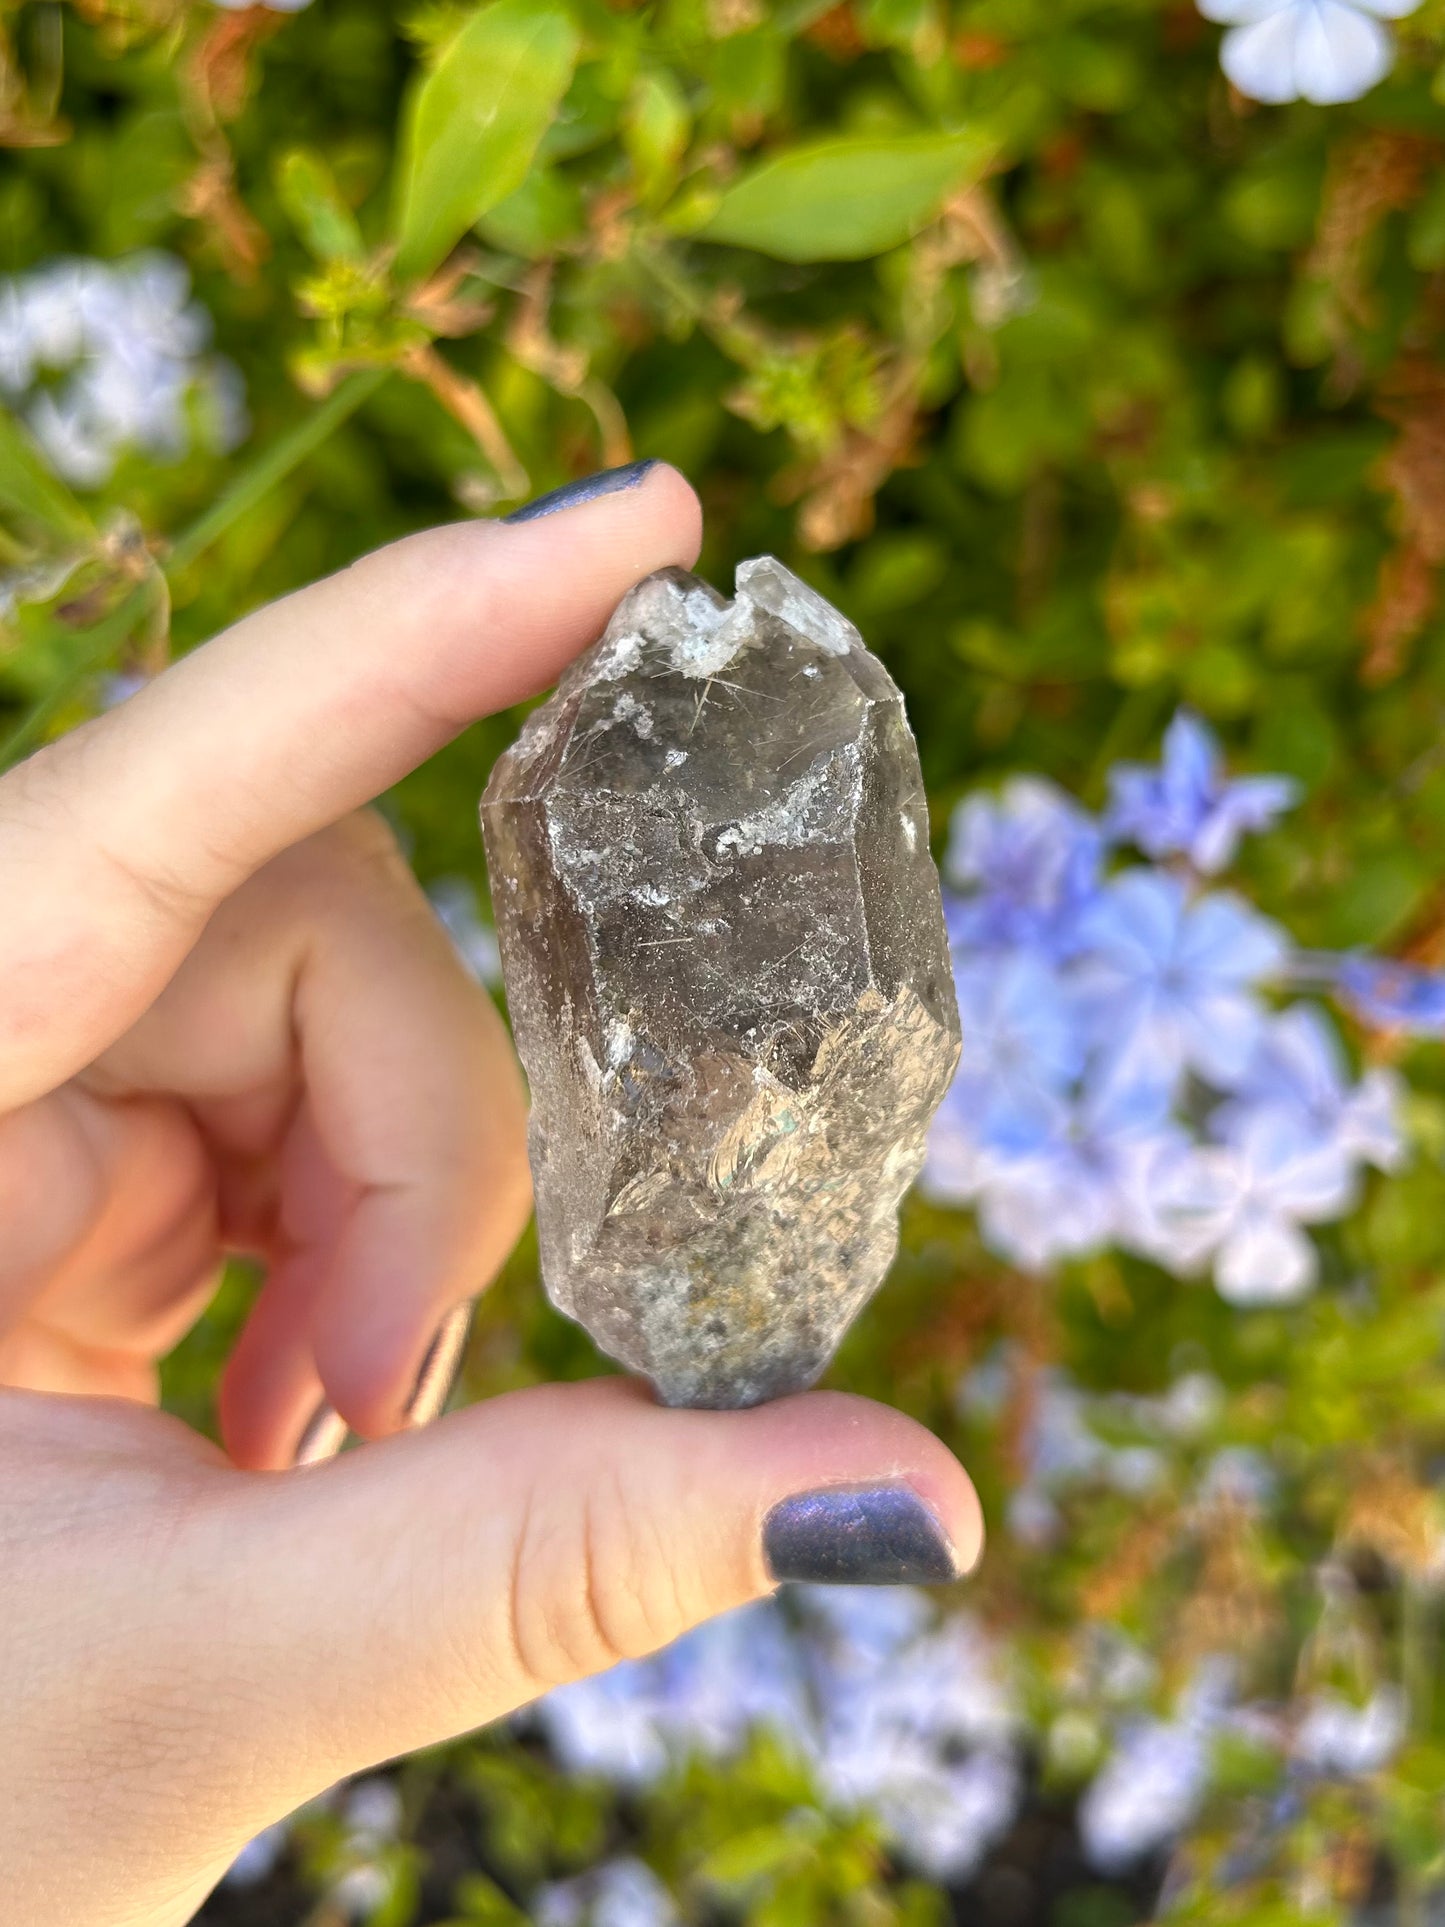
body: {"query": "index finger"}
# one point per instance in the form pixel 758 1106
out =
pixel 117 842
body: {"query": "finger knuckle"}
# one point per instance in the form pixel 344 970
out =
pixel 589 1586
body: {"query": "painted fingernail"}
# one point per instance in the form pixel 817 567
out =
pixel 322 1436
pixel 438 1371
pixel 879 1535
pixel 571 495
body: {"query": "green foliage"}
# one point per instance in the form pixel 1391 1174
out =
pixel 474 123
pixel 31 493
pixel 1085 386
pixel 844 200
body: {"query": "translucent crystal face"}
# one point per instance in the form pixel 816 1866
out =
pixel 728 976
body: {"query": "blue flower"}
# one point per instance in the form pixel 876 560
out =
pixel 620 1893
pixel 1393 996
pixel 1083 1183
pixel 1298 1067
pixel 1319 50
pixel 1021 1048
pixel 1146 1793
pixel 1029 861
pixel 1243 1203
pixel 1169 981
pixel 1187 807
pixel 1336 1736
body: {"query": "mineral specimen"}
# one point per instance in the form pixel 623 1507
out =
pixel 729 980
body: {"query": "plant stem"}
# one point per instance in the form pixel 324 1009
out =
pixel 273 465
pixel 1417 1647
pixel 100 639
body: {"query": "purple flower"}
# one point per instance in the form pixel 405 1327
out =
pixel 1029 862
pixel 1188 807
pixel 1169 981
pixel 1393 996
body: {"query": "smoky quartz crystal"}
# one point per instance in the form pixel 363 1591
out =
pixel 729 980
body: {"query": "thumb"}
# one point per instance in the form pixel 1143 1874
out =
pixel 424 1585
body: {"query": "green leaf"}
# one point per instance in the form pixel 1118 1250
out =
pixel 656 127
pixel 542 216
pixel 315 205
pixel 845 199
pixel 473 125
pixel 28 488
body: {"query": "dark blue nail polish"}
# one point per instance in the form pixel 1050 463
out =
pixel 609 481
pixel 882 1535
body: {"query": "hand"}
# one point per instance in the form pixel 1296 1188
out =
pixel 229 1022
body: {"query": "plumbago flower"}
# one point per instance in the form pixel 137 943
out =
pixel 619 1893
pixel 1318 50
pixel 897 1714
pixel 1187 807
pixel 1126 1079
pixel 104 357
pixel 1167 981
pixel 1029 862
pixel 1393 996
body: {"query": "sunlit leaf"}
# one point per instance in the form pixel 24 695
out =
pixel 845 199
pixel 315 205
pixel 29 489
pixel 474 123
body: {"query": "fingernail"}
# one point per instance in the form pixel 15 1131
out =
pixel 322 1436
pixel 438 1371
pixel 879 1535
pixel 571 495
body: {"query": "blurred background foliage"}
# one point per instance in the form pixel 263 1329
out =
pixel 1085 386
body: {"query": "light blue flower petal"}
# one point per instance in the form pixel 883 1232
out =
pixel 1234 13
pixel 1266 1261
pixel 1260 58
pixel 1221 1029
pixel 1225 940
pixel 1191 759
pixel 1295 1167
pixel 1394 995
pixel 1134 921
pixel 1340 53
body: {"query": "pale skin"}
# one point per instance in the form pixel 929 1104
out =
pixel 228 1022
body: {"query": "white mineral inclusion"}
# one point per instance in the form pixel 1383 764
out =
pixel 767 584
pixel 703 637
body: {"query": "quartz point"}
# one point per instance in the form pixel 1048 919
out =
pixel 725 958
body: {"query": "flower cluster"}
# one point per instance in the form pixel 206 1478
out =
pixel 1125 1080
pixel 1320 50
pixel 102 358
pixel 620 1893
pixel 897 1714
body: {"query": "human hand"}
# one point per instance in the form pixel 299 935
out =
pixel 229 1022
